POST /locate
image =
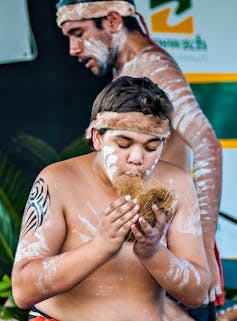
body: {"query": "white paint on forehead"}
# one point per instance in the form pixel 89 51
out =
pixel 90 227
pixel 97 49
pixel 32 249
pixel 180 270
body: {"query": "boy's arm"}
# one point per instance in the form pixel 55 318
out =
pixel 40 270
pixel 181 269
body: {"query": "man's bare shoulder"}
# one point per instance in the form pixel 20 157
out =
pixel 154 63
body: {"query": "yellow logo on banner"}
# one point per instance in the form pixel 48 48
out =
pixel 160 19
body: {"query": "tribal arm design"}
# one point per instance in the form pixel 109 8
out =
pixel 36 206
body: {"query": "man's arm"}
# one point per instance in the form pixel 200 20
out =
pixel 40 270
pixel 181 269
pixel 193 127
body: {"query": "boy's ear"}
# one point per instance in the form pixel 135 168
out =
pixel 96 139
pixel 113 21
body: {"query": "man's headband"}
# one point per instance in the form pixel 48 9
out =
pixel 94 9
pixel 134 121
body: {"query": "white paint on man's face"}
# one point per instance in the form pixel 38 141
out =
pixel 109 161
pixel 119 39
pixel 98 50
pixel 153 166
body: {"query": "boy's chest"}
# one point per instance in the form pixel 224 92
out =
pixel 83 215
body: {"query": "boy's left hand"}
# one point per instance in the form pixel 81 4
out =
pixel 147 241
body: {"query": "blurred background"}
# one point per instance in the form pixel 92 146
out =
pixel 45 102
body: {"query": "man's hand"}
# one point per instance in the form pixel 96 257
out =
pixel 115 223
pixel 147 241
pixel 215 288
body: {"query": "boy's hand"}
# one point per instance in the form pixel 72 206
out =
pixel 115 223
pixel 147 241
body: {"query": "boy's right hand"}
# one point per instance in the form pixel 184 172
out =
pixel 115 223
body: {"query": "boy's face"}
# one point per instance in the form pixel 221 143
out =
pixel 91 45
pixel 129 152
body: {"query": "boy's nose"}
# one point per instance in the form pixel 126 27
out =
pixel 136 156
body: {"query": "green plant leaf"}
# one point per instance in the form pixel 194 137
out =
pixel 8 313
pixel 76 148
pixel 6 247
pixel 10 209
pixel 13 187
pixel 40 149
pixel 13 195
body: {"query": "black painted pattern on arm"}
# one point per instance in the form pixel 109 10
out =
pixel 36 206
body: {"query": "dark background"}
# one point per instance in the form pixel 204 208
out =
pixel 51 97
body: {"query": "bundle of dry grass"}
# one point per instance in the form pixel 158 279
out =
pixel 146 197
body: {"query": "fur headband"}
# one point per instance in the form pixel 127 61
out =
pixel 134 121
pixel 95 9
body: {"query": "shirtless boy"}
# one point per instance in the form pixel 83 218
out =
pixel 107 35
pixel 72 261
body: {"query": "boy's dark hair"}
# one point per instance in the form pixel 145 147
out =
pixel 129 94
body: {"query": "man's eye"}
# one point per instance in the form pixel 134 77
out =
pixel 79 35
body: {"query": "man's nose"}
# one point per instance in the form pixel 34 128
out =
pixel 75 46
pixel 135 156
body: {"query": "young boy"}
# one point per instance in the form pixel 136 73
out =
pixel 73 261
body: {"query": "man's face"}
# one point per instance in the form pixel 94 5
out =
pixel 130 153
pixel 91 45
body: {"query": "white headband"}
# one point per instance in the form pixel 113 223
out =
pixel 134 121
pixel 96 9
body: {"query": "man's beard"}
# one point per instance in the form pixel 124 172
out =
pixel 106 68
pixel 132 184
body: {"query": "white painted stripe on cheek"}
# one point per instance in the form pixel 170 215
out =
pixel 109 160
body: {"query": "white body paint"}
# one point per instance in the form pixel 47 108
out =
pixel 98 50
pixel 151 169
pixel 181 269
pixel 190 224
pixel 32 250
pixel 48 272
pixel 162 69
pixel 109 161
pixel 119 39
